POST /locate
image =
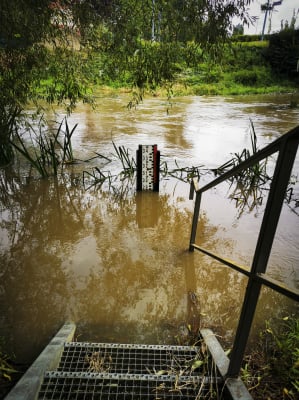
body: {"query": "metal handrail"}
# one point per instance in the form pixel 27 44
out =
pixel 286 146
pixel 255 158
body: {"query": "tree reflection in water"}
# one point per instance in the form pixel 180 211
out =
pixel 119 268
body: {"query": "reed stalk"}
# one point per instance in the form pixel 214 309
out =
pixel 47 153
pixel 249 183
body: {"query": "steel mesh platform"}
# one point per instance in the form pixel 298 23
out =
pixel 127 358
pixel 102 371
pixel 91 386
pixel 99 371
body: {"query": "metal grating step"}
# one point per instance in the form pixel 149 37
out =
pixel 170 372
pixel 130 358
pixel 76 386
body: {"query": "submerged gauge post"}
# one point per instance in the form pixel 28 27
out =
pixel 148 167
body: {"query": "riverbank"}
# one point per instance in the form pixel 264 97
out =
pixel 183 88
pixel 244 68
pixel 194 84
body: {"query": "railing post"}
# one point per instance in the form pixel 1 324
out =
pixel 195 220
pixel 282 173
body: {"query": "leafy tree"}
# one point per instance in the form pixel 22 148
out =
pixel 45 47
pixel 149 39
pixel 39 60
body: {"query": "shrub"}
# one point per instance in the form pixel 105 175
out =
pixel 251 77
pixel 271 371
pixel 283 51
pixel 245 77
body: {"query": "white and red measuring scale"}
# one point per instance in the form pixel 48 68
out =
pixel 148 167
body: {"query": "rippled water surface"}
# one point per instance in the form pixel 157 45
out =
pixel 115 261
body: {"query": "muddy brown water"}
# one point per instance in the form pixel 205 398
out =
pixel 115 261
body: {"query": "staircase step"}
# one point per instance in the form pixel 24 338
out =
pixel 104 386
pixel 130 358
pixel 99 371
pixel 127 371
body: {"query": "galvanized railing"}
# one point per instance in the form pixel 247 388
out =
pixel 286 147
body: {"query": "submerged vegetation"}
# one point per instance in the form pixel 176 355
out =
pixel 46 152
pixel 248 186
pixel 50 154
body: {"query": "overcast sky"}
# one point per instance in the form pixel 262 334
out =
pixel 282 12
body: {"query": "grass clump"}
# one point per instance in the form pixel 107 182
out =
pixel 6 369
pixel 8 372
pixel 46 152
pixel 272 369
pixel 247 187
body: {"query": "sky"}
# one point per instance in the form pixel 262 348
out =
pixel 283 12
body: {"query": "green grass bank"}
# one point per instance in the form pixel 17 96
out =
pixel 246 66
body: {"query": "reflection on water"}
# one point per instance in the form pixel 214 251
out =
pixel 120 267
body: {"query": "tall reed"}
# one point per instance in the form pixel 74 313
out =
pixel 46 152
pixel 249 182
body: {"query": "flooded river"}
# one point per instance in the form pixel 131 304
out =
pixel 115 261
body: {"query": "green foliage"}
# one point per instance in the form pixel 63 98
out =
pixel 137 42
pixel 254 44
pixel 238 30
pixel 257 76
pixel 246 77
pixel 19 25
pixel 247 38
pixel 150 39
pixel 8 118
pixel 65 80
pixel 272 369
pixel 247 186
pixel 46 152
pixel 205 22
pixel 6 368
pixel 128 163
pixel 191 54
pixel 39 43
pixel 242 56
pixel 283 51
pixel 153 64
pixel 283 343
pixel 243 69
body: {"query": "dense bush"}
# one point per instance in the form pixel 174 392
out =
pixel 241 56
pixel 272 369
pixel 256 76
pixel 283 52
